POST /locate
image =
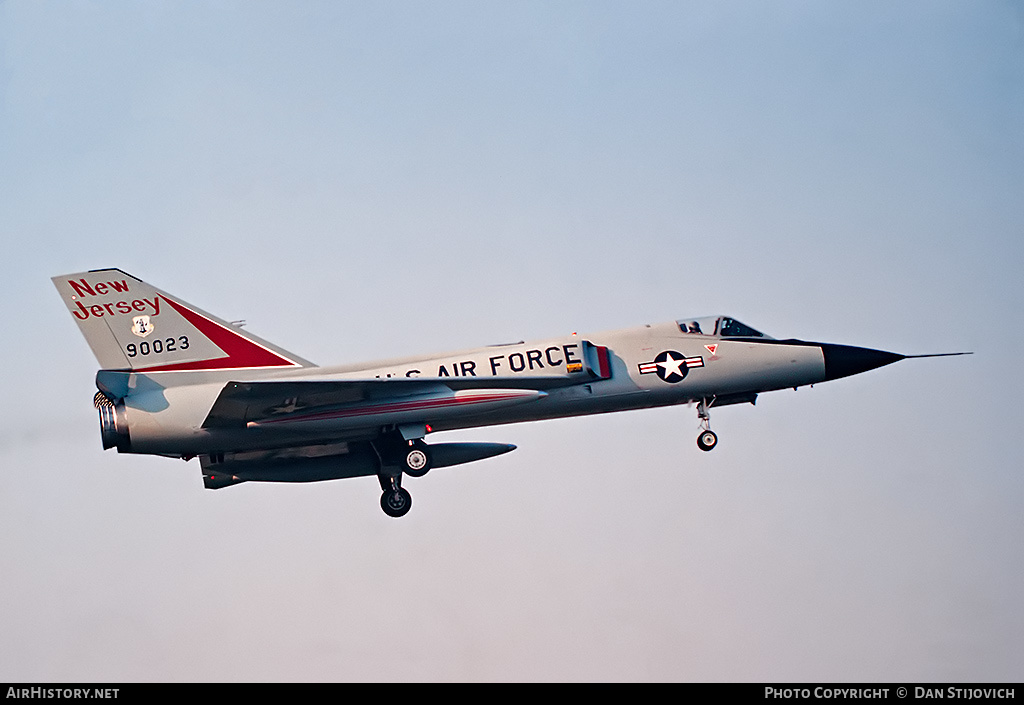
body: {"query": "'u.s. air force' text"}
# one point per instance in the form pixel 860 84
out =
pixel 536 360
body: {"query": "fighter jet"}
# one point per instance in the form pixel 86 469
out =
pixel 176 381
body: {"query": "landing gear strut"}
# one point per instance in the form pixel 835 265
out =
pixel 707 439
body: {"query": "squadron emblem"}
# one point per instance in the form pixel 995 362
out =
pixel 141 326
pixel 671 366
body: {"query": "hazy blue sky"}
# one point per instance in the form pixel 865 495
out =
pixel 371 179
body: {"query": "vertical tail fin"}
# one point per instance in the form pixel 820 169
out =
pixel 132 325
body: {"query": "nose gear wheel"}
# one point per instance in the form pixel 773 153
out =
pixel 707 440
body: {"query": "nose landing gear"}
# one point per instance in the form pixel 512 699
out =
pixel 707 439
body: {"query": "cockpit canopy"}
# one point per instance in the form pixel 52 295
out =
pixel 721 326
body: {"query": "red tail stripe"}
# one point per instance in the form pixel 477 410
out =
pixel 240 351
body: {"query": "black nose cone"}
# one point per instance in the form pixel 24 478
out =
pixel 846 360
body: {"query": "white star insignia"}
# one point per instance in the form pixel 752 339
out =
pixel 671 366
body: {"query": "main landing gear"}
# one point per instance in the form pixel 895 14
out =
pixel 416 461
pixel 396 500
pixel 707 439
pixel 397 457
